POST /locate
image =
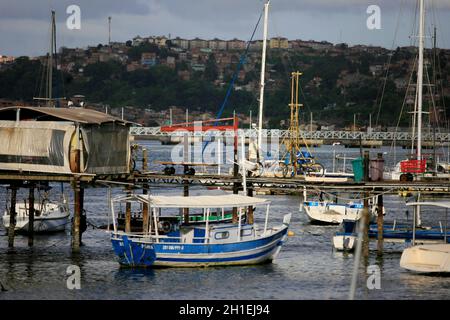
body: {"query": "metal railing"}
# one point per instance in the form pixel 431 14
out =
pixel 310 135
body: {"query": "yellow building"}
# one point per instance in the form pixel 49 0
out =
pixel 279 43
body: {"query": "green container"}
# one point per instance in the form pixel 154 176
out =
pixel 358 169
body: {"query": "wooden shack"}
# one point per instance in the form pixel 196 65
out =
pixel 63 140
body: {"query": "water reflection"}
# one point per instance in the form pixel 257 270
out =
pixel 307 267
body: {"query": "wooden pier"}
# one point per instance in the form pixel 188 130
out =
pixel 146 180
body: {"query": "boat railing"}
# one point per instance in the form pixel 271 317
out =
pixel 142 235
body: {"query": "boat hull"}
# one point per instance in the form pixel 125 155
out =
pixel 324 213
pixel 40 225
pixel 136 252
pixel 427 258
pixel 54 219
pixel 344 242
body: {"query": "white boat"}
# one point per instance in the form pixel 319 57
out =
pixel 328 212
pixel 187 245
pixel 48 217
pixel 428 258
pixel 346 239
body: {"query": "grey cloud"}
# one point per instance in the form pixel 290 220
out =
pixel 90 9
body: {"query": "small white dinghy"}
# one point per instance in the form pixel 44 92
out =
pixel 346 239
pixel 48 217
pixel 428 258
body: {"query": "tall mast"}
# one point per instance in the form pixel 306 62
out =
pixel 50 63
pixel 420 78
pixel 263 70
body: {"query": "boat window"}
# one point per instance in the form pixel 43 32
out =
pixel 246 232
pixel 221 235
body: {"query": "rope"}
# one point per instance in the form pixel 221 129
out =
pixel 235 75
pixel 388 64
pixel 404 102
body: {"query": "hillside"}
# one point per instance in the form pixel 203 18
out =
pixel 340 84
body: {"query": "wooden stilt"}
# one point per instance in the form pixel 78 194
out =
pixel 145 191
pixel 83 222
pixel 76 217
pixel 31 217
pixel 366 221
pixel 380 222
pixel 366 163
pixel 12 217
pixel 366 213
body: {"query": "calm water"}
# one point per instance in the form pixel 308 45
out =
pixel 307 267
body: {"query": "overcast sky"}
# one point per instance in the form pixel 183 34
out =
pixel 24 24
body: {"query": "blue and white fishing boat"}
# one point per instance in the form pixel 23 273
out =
pixel 187 245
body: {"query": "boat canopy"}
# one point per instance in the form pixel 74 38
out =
pixel 442 204
pixel 221 201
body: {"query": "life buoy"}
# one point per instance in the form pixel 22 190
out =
pixel 164 226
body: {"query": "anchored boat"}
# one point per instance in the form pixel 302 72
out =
pixel 346 239
pixel 428 258
pixel 329 212
pixel 48 216
pixel 174 244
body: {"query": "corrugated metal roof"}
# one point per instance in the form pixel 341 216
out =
pixel 81 115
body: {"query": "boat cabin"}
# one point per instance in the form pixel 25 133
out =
pixel 213 217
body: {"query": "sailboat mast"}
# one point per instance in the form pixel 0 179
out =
pixel 420 78
pixel 50 63
pixel 263 70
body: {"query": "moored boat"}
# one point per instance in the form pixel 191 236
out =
pixel 186 245
pixel 346 239
pixel 428 258
pixel 48 217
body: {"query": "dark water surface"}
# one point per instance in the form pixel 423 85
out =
pixel 307 267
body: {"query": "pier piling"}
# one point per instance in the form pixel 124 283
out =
pixel 366 222
pixel 31 216
pixel 76 234
pixel 366 162
pixel 366 213
pixel 12 216
pixel 380 222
